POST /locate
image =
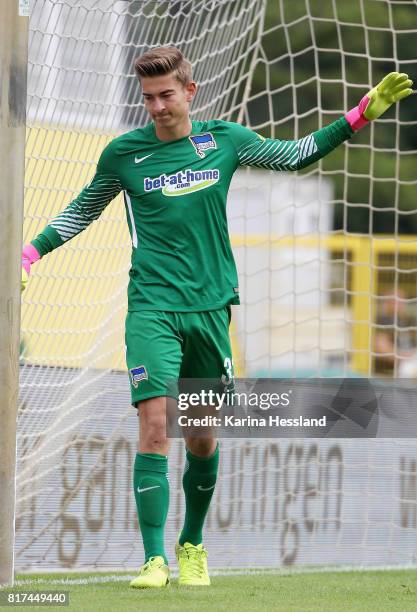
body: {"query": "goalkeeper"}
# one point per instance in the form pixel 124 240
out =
pixel 175 174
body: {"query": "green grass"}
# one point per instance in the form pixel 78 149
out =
pixel 367 591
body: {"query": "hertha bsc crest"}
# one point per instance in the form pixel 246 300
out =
pixel 203 142
pixel 137 374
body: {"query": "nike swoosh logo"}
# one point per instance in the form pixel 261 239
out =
pixel 147 488
pixel 200 488
pixel 140 159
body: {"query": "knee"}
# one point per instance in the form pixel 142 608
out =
pixel 153 436
pixel 201 447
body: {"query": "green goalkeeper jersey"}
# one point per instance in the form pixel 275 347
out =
pixel 175 198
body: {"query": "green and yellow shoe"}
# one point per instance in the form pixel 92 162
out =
pixel 153 574
pixel 192 563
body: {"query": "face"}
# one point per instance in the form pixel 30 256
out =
pixel 166 99
pixel 395 304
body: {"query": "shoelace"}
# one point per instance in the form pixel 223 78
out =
pixel 146 567
pixel 196 557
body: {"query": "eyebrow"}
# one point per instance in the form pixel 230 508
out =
pixel 161 93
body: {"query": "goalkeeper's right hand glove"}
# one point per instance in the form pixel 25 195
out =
pixel 29 256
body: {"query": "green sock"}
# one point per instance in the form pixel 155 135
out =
pixel 152 499
pixel 198 481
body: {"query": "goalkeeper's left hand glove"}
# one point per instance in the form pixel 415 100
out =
pixel 394 87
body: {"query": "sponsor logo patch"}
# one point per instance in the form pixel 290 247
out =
pixel 137 374
pixel 183 182
pixel 202 143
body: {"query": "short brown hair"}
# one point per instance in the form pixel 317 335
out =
pixel 164 60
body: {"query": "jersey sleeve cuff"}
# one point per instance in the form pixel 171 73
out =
pixel 47 241
pixel 331 136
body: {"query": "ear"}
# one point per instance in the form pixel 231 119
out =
pixel 191 90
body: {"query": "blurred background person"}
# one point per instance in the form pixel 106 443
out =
pixel 395 342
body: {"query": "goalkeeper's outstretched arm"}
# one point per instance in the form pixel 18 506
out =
pixel 254 150
pixel 76 217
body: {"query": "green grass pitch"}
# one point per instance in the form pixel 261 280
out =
pixel 345 591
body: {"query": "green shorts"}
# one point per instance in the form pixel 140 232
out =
pixel 162 347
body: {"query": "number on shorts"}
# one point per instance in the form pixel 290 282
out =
pixel 228 366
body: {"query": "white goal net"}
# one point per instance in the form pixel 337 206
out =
pixel 327 260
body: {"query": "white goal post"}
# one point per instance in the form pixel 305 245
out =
pixel 13 66
pixel 316 263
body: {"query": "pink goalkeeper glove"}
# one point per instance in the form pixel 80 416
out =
pixel 29 256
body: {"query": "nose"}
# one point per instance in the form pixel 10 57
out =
pixel 159 105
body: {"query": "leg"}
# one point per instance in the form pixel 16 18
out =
pixel 153 356
pixel 152 491
pixel 150 476
pixel 199 480
pixel 152 426
pixel 207 355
